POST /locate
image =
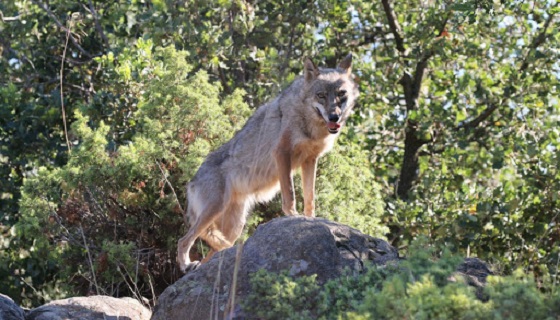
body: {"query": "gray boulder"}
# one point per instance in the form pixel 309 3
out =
pixel 9 310
pixel 304 246
pixel 474 272
pixel 91 308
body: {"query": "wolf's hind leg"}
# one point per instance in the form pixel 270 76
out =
pixel 225 230
pixel 233 220
pixel 215 239
pixel 200 222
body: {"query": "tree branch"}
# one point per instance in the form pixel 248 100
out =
pixel 407 83
pixel 288 55
pixel 411 86
pixel 394 25
pixel 9 19
pixel 62 27
pixel 419 72
pixel 6 45
pixel 369 38
pixel 170 186
pixel 62 93
pixel 480 118
pixel 423 62
pixel 537 41
pixel 443 25
pixel 98 25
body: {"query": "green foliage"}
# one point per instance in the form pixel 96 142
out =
pixel 346 192
pixel 422 299
pixel 421 262
pixel 113 207
pixel 487 114
pixel 518 298
pixel 285 297
pixel 410 290
pixel 116 260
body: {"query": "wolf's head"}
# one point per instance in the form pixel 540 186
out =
pixel 332 93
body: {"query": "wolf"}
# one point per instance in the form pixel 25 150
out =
pixel 292 131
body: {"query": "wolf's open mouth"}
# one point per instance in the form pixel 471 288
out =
pixel 333 127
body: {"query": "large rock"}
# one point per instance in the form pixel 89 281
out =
pixel 9 310
pixel 304 246
pixel 474 272
pixel 91 308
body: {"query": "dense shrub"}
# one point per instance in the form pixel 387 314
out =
pixel 417 288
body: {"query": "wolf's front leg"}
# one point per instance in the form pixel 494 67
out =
pixel 284 164
pixel 308 173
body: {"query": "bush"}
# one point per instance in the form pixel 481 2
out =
pixel 286 297
pixel 415 289
pixel 108 220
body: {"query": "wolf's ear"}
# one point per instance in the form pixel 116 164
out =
pixel 310 70
pixel 346 64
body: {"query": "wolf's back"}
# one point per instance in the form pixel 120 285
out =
pixel 246 162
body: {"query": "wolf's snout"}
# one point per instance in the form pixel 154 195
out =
pixel 333 117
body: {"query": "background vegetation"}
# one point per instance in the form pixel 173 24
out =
pixel 107 109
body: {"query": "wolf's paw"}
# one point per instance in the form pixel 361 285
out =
pixel 290 211
pixel 310 214
pixel 193 265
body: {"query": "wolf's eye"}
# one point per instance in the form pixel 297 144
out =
pixel 341 93
pixel 321 95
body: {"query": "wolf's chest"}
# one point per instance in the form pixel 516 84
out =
pixel 311 149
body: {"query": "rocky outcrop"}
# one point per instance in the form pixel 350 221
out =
pixel 474 272
pixel 299 245
pixel 9 310
pixel 91 308
pixel 304 246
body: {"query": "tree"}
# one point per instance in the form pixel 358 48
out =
pixel 474 89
